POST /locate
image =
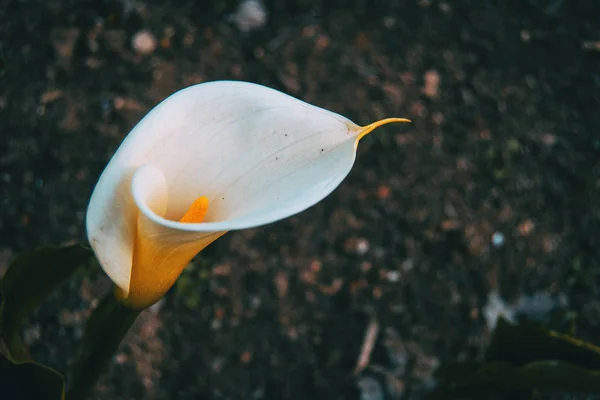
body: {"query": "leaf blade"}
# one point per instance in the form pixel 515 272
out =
pixel 29 380
pixel 31 277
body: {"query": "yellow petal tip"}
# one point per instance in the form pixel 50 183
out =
pixel 365 130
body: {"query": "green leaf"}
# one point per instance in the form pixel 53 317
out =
pixel 13 347
pixel 29 380
pixel 522 343
pixel 523 356
pixel 535 375
pixel 30 278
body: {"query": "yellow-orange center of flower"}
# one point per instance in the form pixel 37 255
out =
pixel 197 211
pixel 156 265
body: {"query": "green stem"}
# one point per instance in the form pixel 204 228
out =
pixel 104 331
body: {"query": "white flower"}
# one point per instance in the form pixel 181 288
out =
pixel 211 158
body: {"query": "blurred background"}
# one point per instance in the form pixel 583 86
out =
pixel 486 205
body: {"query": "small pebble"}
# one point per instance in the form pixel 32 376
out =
pixel 498 239
pixel 540 305
pixel 78 332
pixel 143 42
pixel 370 389
pixel 432 84
pixel 362 246
pixel 393 276
pixel 217 364
pixel 258 394
pixel 32 334
pixel 255 302
pixel 408 264
pixel 496 308
pixel 389 22
pixel 148 383
pixel 121 359
pixel 250 15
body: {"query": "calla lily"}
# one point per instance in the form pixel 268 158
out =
pixel 211 158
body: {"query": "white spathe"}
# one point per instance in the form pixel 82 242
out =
pixel 257 154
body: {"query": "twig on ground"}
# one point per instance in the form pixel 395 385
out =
pixel 367 346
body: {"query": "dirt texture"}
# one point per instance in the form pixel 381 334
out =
pixel 493 189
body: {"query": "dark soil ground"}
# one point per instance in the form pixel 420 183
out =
pixel 504 96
